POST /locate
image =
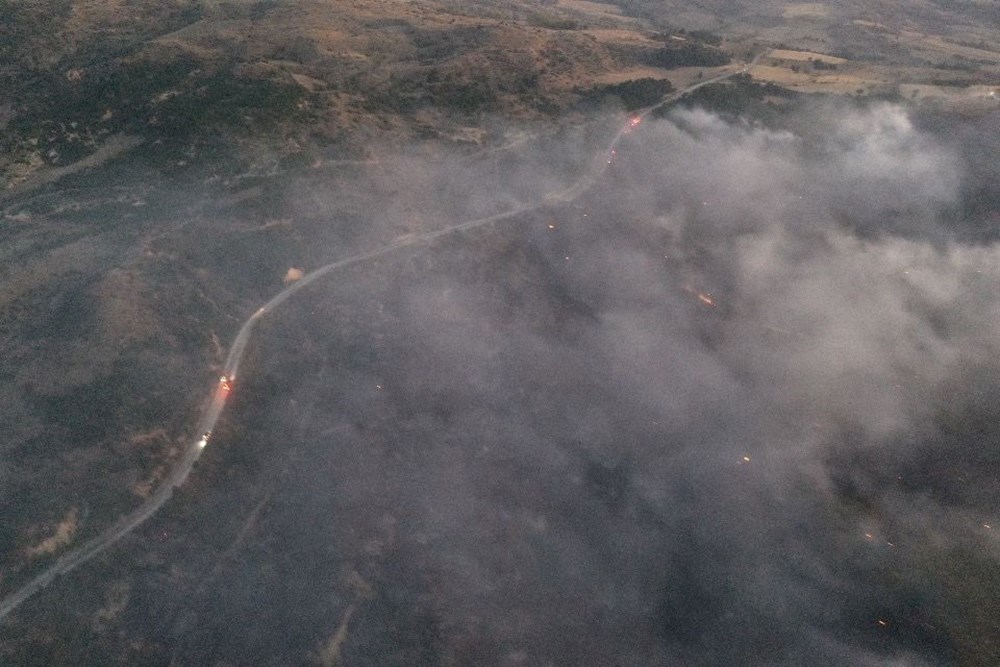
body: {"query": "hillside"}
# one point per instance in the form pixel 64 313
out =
pixel 530 376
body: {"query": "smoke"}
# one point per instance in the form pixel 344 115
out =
pixel 698 416
pixel 733 405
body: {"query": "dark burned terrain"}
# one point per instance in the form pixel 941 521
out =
pixel 508 447
pixel 730 407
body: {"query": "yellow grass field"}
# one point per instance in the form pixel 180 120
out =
pixel 607 35
pixel 785 54
pixel 806 10
pixel 815 83
pixel 588 7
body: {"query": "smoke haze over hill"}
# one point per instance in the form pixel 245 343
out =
pixel 731 406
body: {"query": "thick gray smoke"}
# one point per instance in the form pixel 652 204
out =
pixel 712 413
pixel 734 405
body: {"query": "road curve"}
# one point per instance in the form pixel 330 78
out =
pixel 177 476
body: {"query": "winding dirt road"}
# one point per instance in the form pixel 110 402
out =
pixel 177 476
